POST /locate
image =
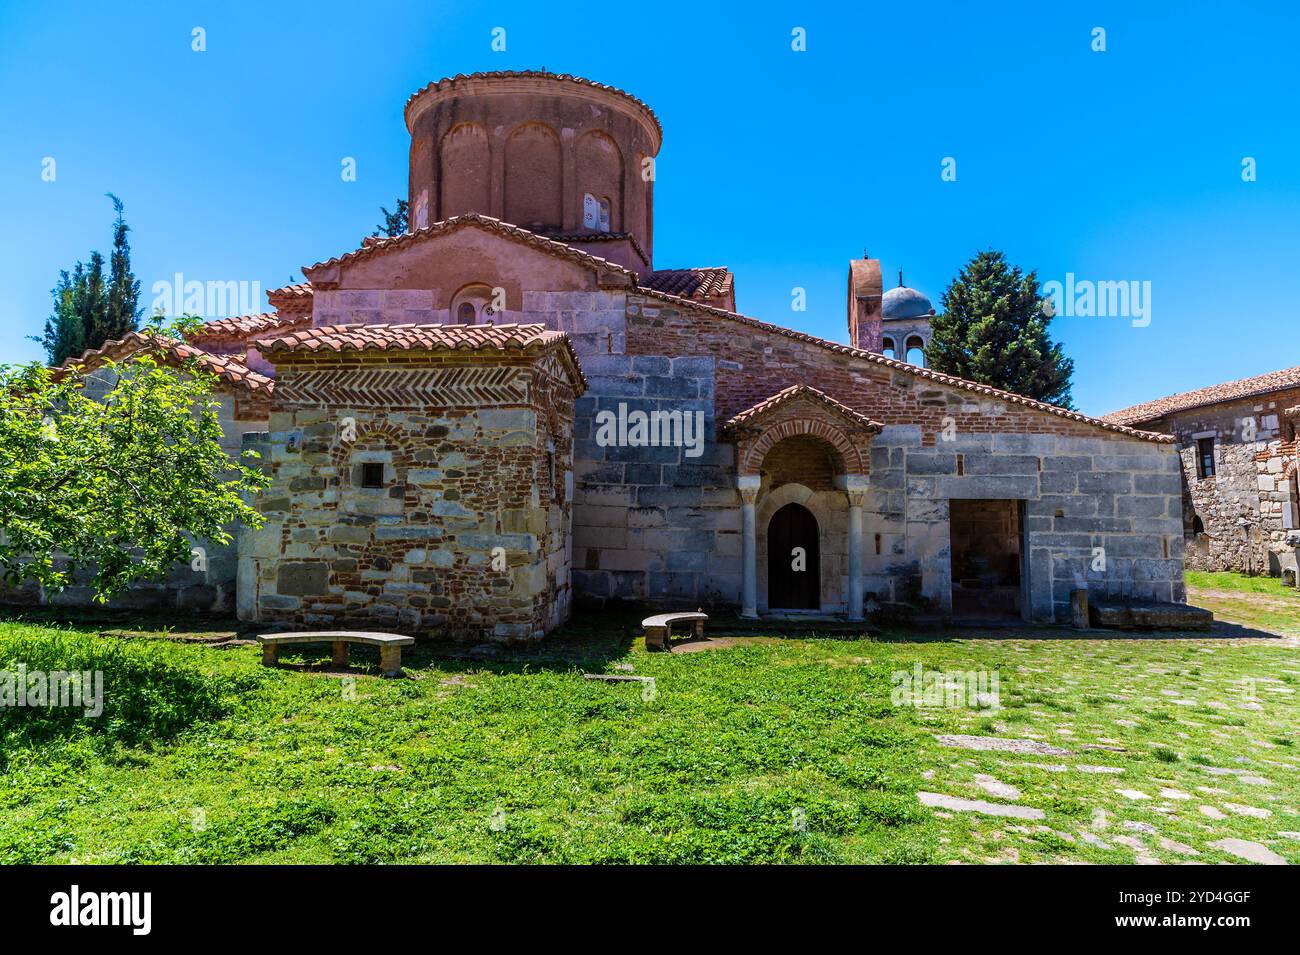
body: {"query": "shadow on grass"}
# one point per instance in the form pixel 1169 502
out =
pixel 77 685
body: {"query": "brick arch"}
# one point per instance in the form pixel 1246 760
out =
pixel 850 458
pixel 464 171
pixel 1288 471
pixel 533 174
pixel 368 431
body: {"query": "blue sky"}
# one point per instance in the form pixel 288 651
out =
pixel 1122 165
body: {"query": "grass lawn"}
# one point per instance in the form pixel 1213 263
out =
pixel 768 750
pixel 1260 602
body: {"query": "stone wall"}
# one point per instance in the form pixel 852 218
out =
pixel 653 524
pixel 468 535
pixel 1243 508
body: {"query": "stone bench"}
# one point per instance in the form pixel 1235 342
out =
pixel 657 628
pixel 389 644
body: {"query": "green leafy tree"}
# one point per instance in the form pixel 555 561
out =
pixel 395 223
pixel 993 330
pixel 115 474
pixel 89 309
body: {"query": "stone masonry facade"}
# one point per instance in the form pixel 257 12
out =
pixel 476 424
pixel 466 529
pixel 1244 515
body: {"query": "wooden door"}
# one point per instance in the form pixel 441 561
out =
pixel 793 565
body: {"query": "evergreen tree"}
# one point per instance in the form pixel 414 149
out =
pixel 88 310
pixel 92 302
pixel 64 337
pixel 993 330
pixel 122 314
pixel 395 223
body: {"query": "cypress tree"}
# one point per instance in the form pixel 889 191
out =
pixel 395 223
pixel 88 309
pixel 993 330
pixel 122 314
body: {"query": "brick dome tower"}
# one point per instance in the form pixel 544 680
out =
pixel 557 154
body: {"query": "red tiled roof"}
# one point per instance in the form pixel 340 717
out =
pixel 449 81
pixel 289 293
pixel 244 325
pixel 226 369
pixel 363 337
pixel 433 338
pixel 902 366
pixel 804 391
pixel 691 283
pixel 375 246
pixel 1283 380
pixel 590 235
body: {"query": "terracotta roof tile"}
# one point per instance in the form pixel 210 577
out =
pixel 245 325
pixel 569 237
pixel 289 294
pixel 375 246
pixel 914 370
pixel 433 338
pixel 226 369
pixel 803 391
pixel 1283 380
pixel 448 81
pixel 691 283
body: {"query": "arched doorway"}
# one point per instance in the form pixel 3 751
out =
pixel 793 564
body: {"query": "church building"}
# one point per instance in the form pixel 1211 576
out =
pixel 513 407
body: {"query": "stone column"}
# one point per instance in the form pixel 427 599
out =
pixel 855 486
pixel 748 485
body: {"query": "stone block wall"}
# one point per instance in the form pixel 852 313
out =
pixel 467 536
pixel 1249 505
pixel 652 524
pixel 1084 499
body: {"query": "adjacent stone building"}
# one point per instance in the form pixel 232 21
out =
pixel 509 409
pixel 1237 444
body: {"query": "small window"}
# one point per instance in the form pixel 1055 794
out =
pixel 372 474
pixel 595 213
pixel 1205 457
pixel 887 348
pixel 1198 525
pixel 465 314
pixel 915 351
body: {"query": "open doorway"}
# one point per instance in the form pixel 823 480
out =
pixel 987 540
pixel 793 560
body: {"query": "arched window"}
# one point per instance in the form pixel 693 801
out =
pixel 595 212
pixel 1198 525
pixel 887 348
pixel 915 351
pixel 473 305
